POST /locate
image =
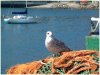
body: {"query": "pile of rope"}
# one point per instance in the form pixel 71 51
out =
pixel 73 62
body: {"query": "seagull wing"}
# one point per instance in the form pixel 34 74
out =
pixel 59 43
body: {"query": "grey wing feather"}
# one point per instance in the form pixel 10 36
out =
pixel 59 43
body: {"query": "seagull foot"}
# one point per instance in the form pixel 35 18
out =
pixel 56 55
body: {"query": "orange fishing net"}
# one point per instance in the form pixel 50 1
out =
pixel 73 62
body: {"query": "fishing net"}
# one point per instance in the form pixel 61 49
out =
pixel 73 62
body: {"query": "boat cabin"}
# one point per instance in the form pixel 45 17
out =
pixel 94 26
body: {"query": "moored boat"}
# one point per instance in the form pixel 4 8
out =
pixel 20 19
pixel 92 40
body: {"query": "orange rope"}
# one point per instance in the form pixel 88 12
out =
pixel 66 61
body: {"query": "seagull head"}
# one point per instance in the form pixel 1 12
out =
pixel 49 33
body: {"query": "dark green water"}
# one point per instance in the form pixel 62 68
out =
pixel 23 43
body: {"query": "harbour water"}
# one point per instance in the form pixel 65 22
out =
pixel 21 43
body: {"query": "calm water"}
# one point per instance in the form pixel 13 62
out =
pixel 23 43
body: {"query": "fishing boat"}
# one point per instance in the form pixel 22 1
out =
pixel 92 40
pixel 20 18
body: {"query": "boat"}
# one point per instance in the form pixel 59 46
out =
pixel 92 40
pixel 20 19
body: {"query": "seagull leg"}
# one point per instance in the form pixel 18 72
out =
pixel 56 55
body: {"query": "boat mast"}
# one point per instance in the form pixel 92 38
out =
pixel 26 3
pixel 26 8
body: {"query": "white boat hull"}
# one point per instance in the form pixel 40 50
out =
pixel 26 20
pixel 21 21
pixel 7 19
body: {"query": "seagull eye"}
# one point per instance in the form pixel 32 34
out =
pixel 47 33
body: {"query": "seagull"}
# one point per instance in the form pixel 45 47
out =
pixel 54 45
